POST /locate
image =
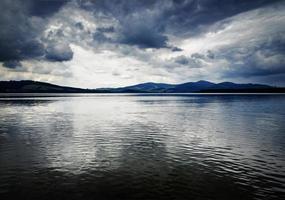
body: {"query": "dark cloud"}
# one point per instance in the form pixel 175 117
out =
pixel 12 64
pixel 197 56
pixel 146 23
pixel 156 17
pixel 190 61
pixel 79 25
pixel 19 50
pixel 267 58
pixel 174 49
pixel 136 32
pixel 18 32
pixel 195 60
pixel 45 8
pixel 183 60
pixel 101 37
pixel 194 16
pixel 144 37
pixel 59 52
pixel 20 29
pixel 137 24
pixel 210 54
pixel 109 29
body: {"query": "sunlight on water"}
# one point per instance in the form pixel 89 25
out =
pixel 143 147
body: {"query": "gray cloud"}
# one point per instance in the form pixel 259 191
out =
pixel 79 25
pixel 45 8
pixel 174 49
pixel 146 24
pixel 109 29
pixel 190 61
pixel 101 37
pixel 208 55
pixel 12 64
pixel 148 33
pixel 21 28
pixel 140 37
pixel 59 52
pixel 173 16
pixel 183 60
pixel 18 32
pixel 266 58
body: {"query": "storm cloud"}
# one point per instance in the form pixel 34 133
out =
pixel 164 40
pixel 22 25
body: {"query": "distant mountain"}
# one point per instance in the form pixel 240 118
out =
pixel 190 87
pixel 145 87
pixel 230 85
pixel 36 87
pixel 199 86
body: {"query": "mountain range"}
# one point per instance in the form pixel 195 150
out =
pixel 28 86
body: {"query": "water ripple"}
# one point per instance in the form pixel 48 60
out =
pixel 143 147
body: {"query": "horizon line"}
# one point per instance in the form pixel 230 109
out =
pixel 116 87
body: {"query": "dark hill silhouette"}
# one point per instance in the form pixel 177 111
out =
pixel 199 86
pixel 36 87
pixel 191 87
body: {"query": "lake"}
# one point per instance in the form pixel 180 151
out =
pixel 142 146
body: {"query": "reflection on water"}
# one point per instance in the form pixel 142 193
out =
pixel 143 147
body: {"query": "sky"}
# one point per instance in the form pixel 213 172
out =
pixel 112 43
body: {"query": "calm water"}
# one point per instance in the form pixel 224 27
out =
pixel 143 147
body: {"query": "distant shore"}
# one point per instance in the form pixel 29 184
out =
pixel 163 88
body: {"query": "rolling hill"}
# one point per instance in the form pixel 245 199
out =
pixel 189 87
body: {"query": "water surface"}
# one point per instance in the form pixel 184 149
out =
pixel 142 147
